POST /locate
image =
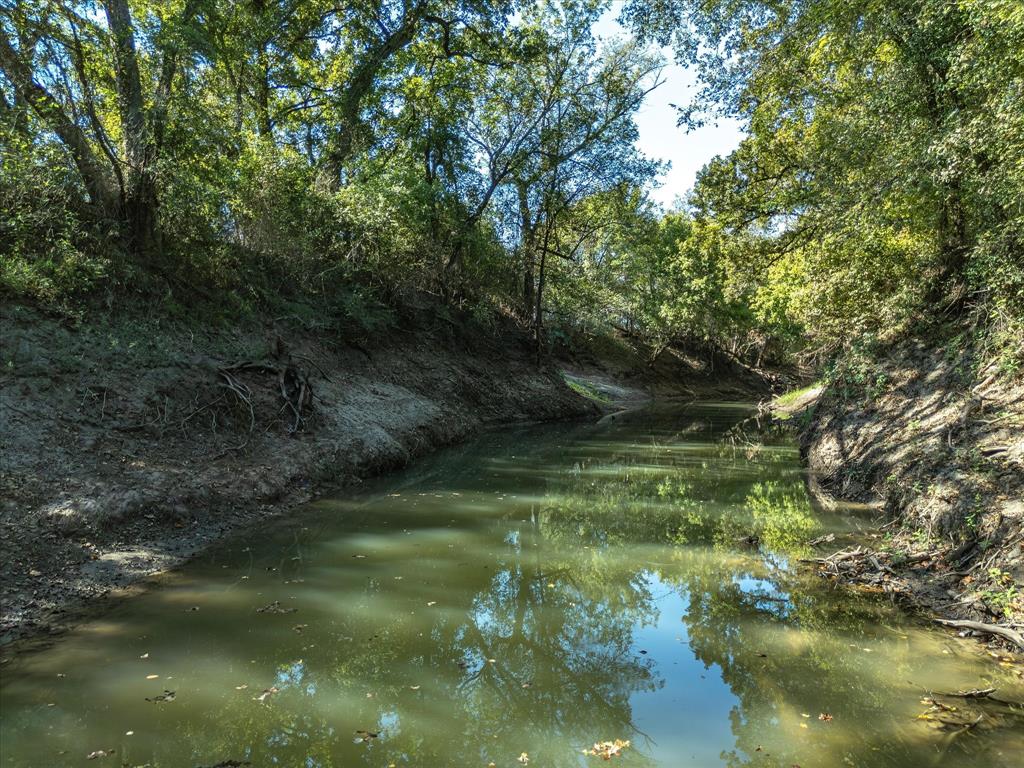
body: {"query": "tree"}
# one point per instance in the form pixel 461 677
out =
pixel 864 155
pixel 555 131
pixel 114 136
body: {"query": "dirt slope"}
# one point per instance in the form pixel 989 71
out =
pixel 125 450
pixel 939 447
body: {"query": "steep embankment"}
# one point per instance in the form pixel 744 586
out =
pixel 937 441
pixel 130 445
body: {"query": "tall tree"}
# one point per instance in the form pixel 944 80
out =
pixel 57 67
pixel 864 161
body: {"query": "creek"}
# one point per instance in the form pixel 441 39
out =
pixel 510 602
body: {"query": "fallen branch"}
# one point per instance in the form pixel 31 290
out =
pixel 976 693
pixel 990 629
pixel 828 538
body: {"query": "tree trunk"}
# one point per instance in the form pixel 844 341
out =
pixel 364 76
pixel 952 237
pixel 264 127
pixel 528 245
pixel 538 322
pixel 139 196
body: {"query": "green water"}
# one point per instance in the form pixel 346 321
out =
pixel 533 592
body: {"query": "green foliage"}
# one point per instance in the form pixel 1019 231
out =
pixel 794 395
pixel 250 154
pixel 47 251
pixel 881 176
pixel 1002 593
pixel 585 390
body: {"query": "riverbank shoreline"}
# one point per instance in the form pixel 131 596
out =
pixel 130 447
pixel 938 450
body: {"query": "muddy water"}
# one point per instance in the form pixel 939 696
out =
pixel 511 603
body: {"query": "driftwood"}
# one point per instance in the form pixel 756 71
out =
pixel 975 693
pixel 990 629
pixel 828 538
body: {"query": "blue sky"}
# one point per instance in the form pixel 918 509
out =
pixel 661 139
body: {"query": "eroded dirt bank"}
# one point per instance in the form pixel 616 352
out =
pixel 936 441
pixel 127 449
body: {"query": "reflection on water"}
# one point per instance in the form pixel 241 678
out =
pixel 534 592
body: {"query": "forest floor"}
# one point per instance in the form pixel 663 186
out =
pixel 130 445
pixel 938 449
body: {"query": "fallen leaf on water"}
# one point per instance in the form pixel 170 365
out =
pixel 414 687
pixel 152 677
pixel 359 557
pixel 803 725
pixel 241 687
pixel 165 696
pixel 362 736
pixel 804 714
pixel 267 693
pixel 432 602
pixel 275 607
pixel 524 758
pixel 129 733
pixel 299 627
pixel 144 656
pixel 606 750
pixel 99 753
pixel 825 717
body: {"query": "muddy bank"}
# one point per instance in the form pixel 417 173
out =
pixel 934 441
pixel 127 449
pixel 130 444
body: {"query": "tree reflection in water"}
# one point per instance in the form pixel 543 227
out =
pixel 491 602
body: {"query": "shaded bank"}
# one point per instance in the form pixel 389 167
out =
pixel 935 439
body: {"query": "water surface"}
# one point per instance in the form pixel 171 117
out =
pixel 512 602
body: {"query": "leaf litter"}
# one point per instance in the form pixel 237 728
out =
pixel 267 693
pixel 606 750
pixel 275 607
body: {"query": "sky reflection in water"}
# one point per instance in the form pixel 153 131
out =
pixel 532 592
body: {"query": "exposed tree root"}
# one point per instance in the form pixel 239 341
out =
pixel 991 629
